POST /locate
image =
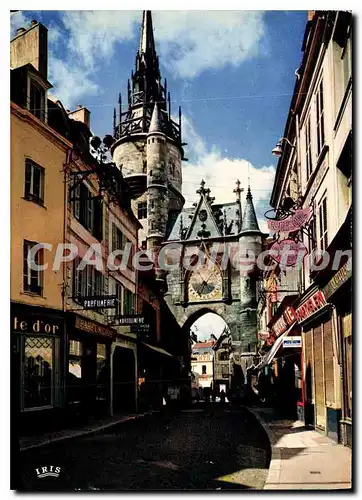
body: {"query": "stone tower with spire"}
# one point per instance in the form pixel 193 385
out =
pixel 250 246
pixel 148 146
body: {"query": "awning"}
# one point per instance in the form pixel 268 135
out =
pixel 157 349
pixel 267 359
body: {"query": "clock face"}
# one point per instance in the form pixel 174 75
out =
pixel 205 284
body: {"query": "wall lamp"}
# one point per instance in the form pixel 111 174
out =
pixel 278 150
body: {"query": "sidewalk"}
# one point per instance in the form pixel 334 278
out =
pixel 90 427
pixel 303 459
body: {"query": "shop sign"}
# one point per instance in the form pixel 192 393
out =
pixel 292 342
pixel 133 319
pixel 316 302
pixel 143 328
pixel 292 223
pixel 90 326
pixel 263 335
pixel 338 280
pixel 31 324
pixel 294 251
pixel 99 302
pixel 284 321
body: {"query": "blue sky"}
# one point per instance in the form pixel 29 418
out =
pixel 231 71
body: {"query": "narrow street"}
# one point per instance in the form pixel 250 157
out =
pixel 208 447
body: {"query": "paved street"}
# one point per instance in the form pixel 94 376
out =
pixel 204 448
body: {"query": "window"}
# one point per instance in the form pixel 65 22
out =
pixel 323 229
pixel 128 302
pixel 88 210
pixel 320 118
pixel 142 210
pixel 37 372
pixel 308 149
pixel 33 279
pixel 102 389
pixel 34 182
pixel 203 369
pixel 87 282
pixel 37 100
pixel 118 239
pixel 224 371
pixel 118 293
pixel 74 378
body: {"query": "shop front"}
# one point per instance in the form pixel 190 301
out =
pixel 322 387
pixel 338 291
pixel 88 367
pixel 37 352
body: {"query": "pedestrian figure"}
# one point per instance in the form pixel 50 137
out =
pixel 222 396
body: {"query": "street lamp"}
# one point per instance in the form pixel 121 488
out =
pixel 278 150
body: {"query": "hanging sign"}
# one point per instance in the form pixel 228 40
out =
pixel 288 252
pixel 292 342
pixel 292 223
pixel 263 335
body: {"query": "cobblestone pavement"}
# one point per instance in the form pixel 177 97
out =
pixel 203 448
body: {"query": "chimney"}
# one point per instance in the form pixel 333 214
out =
pixel 311 14
pixel 80 114
pixel 31 46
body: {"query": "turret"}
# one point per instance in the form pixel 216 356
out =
pixel 250 246
pixel 157 185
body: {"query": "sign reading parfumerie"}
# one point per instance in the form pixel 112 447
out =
pixel 108 302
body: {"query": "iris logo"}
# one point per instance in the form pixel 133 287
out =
pixel 48 471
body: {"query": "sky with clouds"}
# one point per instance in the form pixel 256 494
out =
pixel 232 72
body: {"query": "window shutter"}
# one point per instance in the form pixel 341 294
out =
pixel 97 223
pixel 318 376
pixel 28 169
pixel 308 358
pixel 325 226
pixel 328 363
pixel 114 237
pixel 76 202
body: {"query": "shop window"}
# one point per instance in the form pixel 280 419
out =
pixel 203 369
pixel 320 117
pixel 102 374
pixel 142 210
pixel 32 278
pixel 74 381
pixel 37 100
pixel 34 182
pixel 37 372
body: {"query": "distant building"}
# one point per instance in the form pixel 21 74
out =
pixel 202 356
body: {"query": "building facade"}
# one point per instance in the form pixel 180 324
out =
pixel 202 363
pixel 314 173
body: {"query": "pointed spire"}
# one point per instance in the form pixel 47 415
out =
pixel 147 42
pixel 155 125
pixel 249 222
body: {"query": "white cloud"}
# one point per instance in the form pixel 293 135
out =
pixel 189 42
pixel 70 83
pixel 194 41
pixel 209 323
pixel 93 34
pixel 220 174
pixel 18 20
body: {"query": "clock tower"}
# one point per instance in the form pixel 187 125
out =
pixel 209 278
